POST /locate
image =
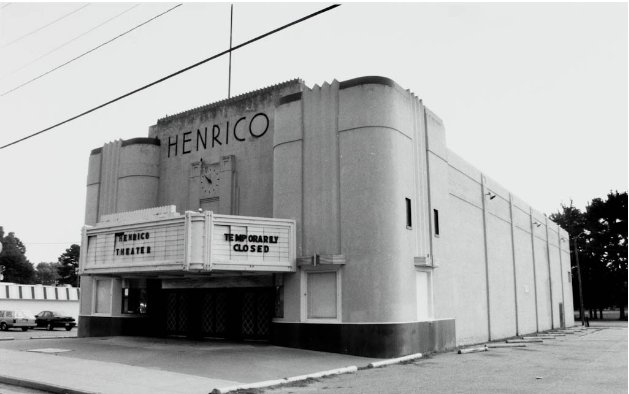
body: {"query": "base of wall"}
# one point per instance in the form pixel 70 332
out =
pixel 381 340
pixel 105 326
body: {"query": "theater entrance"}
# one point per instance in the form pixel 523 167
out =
pixel 228 313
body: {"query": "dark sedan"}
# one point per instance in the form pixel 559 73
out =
pixel 50 320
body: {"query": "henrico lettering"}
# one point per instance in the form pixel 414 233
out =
pixel 218 134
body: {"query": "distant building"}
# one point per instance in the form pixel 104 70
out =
pixel 331 218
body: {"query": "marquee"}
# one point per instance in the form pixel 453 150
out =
pixel 160 239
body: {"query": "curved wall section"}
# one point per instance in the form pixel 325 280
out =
pixel 376 176
pixel 379 276
pixel 93 187
pixel 138 176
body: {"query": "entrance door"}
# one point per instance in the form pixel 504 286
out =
pixel 236 314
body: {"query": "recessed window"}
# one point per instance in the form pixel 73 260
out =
pixel 436 220
pixel 322 295
pixel 409 218
pixel 102 303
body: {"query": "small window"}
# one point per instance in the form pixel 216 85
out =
pixel 409 219
pixel 134 301
pixel 436 221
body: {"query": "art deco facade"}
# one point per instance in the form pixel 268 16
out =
pixel 331 218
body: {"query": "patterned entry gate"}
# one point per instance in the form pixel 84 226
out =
pixel 236 313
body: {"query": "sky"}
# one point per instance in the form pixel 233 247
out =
pixel 532 94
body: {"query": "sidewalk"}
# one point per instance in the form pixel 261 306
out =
pixel 100 377
pixel 158 365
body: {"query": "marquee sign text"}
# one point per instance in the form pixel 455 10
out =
pixel 255 239
pixel 129 244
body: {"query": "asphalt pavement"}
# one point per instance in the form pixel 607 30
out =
pixel 592 360
pixel 588 360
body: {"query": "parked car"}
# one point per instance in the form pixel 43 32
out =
pixel 16 319
pixel 50 320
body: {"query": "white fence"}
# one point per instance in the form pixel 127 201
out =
pixel 37 298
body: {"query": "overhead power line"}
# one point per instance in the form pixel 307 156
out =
pixel 70 41
pixel 90 51
pixel 44 26
pixel 175 74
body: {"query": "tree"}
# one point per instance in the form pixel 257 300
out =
pixel 608 221
pixel 573 221
pixel 602 247
pixel 69 266
pixel 46 273
pixel 17 268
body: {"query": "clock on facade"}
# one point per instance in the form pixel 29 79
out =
pixel 210 178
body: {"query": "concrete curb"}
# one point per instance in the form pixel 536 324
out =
pixel 316 375
pixel 473 349
pixel 540 340
pixel 500 345
pixel 7 339
pixel 377 364
pixel 49 388
pixel 63 337
pixel 277 382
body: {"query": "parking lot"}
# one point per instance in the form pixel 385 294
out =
pixel 589 360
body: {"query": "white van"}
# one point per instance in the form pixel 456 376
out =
pixel 16 319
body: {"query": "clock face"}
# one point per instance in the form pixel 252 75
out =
pixel 210 179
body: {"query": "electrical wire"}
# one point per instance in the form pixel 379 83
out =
pixel 90 51
pixel 175 74
pixel 70 41
pixel 44 26
pixel 5 5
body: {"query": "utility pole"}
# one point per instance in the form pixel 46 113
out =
pixel 231 23
pixel 576 255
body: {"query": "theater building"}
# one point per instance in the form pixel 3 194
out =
pixel 331 218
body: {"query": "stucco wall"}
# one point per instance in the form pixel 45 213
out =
pixel 372 145
pixel 343 154
pixel 235 125
pixel 522 261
